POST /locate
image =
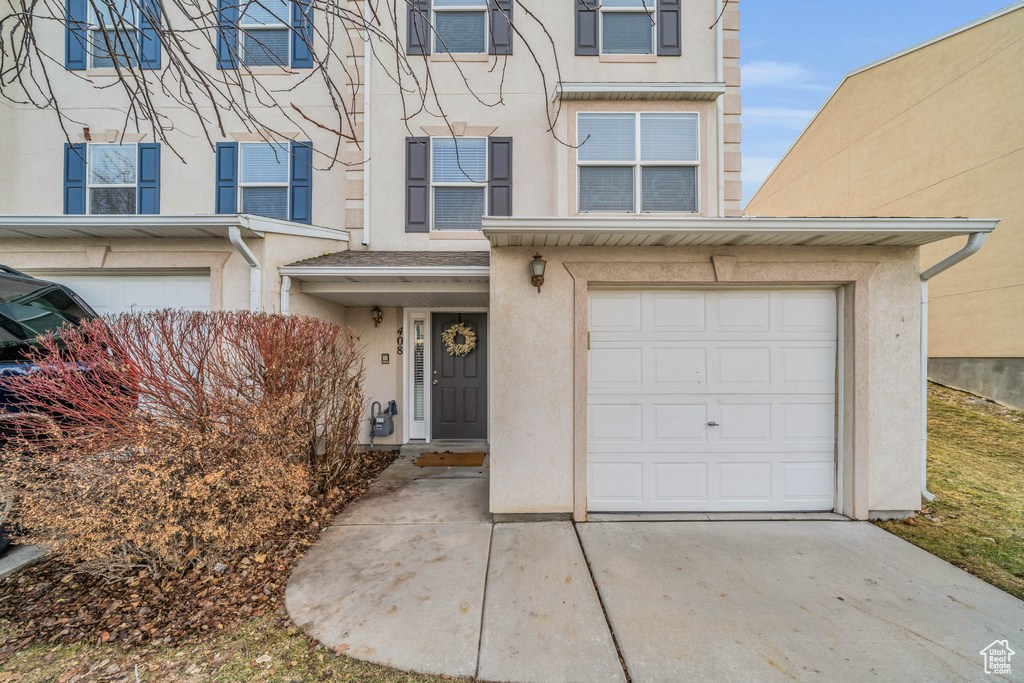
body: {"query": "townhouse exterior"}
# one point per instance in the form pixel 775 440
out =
pixel 933 130
pixel 550 258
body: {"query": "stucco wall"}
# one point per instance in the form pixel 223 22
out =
pixel 532 369
pixel 936 132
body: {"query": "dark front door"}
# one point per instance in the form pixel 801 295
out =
pixel 459 383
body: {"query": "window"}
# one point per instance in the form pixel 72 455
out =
pixel 263 182
pixel 111 179
pixel 460 26
pixel 265 29
pixel 627 27
pixel 459 182
pixel 113 33
pixel 637 163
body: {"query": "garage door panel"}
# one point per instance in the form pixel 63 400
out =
pixel 742 311
pixel 679 367
pixel 113 293
pixel 615 423
pixel 760 364
pixel 616 368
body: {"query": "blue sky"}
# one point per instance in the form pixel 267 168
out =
pixel 795 52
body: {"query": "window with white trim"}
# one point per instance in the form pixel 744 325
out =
pixel 263 180
pixel 265 28
pixel 113 33
pixel 460 26
pixel 458 182
pixel 111 176
pixel 628 27
pixel 637 162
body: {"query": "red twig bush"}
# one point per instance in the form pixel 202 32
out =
pixel 171 439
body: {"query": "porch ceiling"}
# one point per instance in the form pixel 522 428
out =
pixel 156 226
pixel 396 278
pixel 752 231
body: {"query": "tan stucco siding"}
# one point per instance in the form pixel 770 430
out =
pixel 936 132
pixel 534 381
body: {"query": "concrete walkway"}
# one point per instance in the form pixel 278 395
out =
pixel 415 576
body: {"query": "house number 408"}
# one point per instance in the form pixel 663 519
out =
pixel 401 340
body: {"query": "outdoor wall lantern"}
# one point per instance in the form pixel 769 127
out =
pixel 537 266
pixel 378 316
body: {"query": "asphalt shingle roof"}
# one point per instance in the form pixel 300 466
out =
pixel 398 259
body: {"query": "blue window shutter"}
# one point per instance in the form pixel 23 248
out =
pixel 420 32
pixel 74 179
pixel 227 35
pixel 300 188
pixel 149 35
pixel 148 178
pixel 76 38
pixel 227 177
pixel 302 34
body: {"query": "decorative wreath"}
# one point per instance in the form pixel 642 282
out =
pixel 448 337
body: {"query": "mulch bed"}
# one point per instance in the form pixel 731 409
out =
pixel 53 603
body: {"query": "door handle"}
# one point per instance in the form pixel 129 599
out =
pixel 712 424
pixel 435 381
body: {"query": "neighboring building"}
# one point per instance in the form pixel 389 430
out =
pixel 675 357
pixel 934 130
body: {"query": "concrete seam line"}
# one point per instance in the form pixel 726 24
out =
pixel 483 604
pixel 600 601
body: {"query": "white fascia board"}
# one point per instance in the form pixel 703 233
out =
pixel 370 272
pixel 250 226
pixel 640 90
pixel 581 224
pixel 913 48
pixel 419 287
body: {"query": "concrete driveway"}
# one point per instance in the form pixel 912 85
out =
pixel 415 576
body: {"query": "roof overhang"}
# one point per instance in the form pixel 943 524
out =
pixel 639 91
pixel 157 226
pixel 404 286
pixel 748 231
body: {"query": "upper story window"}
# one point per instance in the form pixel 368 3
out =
pixel 460 26
pixel 272 179
pixel 263 181
pixel 637 163
pixel 113 34
pixel 112 178
pixel 628 27
pixel 451 183
pixel 458 181
pixel 265 27
pixel 112 174
pixel 262 33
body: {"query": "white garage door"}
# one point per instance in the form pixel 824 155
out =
pixel 120 293
pixel 711 400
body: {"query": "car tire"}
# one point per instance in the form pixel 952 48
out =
pixel 4 542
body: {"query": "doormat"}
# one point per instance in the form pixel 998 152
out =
pixel 450 460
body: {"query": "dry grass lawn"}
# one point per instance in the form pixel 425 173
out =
pixel 976 471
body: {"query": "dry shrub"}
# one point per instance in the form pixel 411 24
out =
pixel 169 439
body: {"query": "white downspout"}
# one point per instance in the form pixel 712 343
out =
pixel 255 272
pixel 367 64
pixel 720 107
pixel 974 243
pixel 286 291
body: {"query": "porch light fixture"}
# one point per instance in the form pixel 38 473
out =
pixel 378 316
pixel 537 266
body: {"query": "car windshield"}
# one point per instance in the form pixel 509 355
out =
pixel 30 309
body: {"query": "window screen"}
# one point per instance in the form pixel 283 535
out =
pixel 460 26
pixel 266 32
pixel 627 27
pixel 110 176
pixel 264 179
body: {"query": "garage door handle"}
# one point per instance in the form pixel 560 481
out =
pixel 712 424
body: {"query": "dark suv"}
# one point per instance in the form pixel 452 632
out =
pixel 29 308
